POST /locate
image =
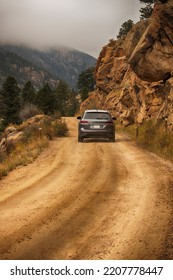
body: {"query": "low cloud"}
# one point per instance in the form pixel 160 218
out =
pixel 82 24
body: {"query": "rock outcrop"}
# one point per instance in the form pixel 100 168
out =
pixel 152 58
pixel 134 74
pixel 14 134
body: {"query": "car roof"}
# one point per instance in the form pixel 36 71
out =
pixel 95 110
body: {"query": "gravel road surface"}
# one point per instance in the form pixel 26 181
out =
pixel 91 200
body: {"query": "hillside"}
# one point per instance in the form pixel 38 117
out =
pixel 23 70
pixel 134 74
pixel 40 66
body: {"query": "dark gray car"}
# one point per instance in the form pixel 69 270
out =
pixel 96 124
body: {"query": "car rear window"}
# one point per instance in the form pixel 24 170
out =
pixel 96 116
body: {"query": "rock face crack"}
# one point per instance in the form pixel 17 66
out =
pixel 168 37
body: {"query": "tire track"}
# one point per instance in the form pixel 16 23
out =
pixel 97 200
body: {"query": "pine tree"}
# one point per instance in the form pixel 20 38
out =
pixel 28 94
pixel 46 100
pixel 10 101
pixel 147 1
pixel 148 9
pixel 125 28
pixel 62 95
pixel 86 82
pixel 73 104
pixel 153 1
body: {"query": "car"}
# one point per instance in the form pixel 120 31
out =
pixel 96 124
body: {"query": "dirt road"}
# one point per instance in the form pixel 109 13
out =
pixel 91 200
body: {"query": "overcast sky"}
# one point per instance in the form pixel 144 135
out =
pixel 86 25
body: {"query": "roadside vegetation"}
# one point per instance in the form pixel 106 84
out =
pixel 153 136
pixel 35 138
pixel 35 117
pixel 19 106
pixel 14 101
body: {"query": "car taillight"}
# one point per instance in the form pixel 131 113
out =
pixel 110 123
pixel 83 122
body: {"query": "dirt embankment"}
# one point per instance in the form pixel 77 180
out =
pixel 91 200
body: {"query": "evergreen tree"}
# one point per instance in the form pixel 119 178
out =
pixel 10 101
pixel 147 1
pixel 1 106
pixel 153 1
pixel 46 100
pixel 28 95
pixel 84 93
pixel 125 28
pixel 86 82
pixel 62 94
pixel 148 9
pixel 73 104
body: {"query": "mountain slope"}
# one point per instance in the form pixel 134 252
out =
pixel 22 70
pixel 61 63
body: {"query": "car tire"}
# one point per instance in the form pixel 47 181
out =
pixel 112 139
pixel 80 138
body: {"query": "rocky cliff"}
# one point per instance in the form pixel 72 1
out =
pixel 134 74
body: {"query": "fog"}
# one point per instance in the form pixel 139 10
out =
pixel 86 25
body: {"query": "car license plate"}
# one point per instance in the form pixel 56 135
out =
pixel 96 126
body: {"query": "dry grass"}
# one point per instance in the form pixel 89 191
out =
pixel 23 154
pixel 153 137
pixel 34 140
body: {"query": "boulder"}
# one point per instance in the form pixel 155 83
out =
pixel 10 130
pixel 13 134
pixel 152 58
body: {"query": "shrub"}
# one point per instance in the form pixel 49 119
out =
pixel 60 128
pixel 22 155
pixel 55 128
pixel 31 131
pixel 153 136
pixel 47 128
pixel 28 111
pixel 34 139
